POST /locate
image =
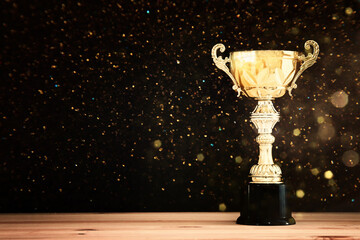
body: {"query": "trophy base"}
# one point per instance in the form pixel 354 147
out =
pixel 265 204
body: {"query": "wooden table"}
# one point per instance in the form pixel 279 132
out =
pixel 173 226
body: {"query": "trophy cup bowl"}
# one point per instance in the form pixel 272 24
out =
pixel 265 75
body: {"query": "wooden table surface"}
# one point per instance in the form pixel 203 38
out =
pixel 170 226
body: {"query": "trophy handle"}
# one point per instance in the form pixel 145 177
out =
pixel 309 60
pixel 221 64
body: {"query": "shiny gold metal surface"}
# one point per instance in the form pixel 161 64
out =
pixel 264 74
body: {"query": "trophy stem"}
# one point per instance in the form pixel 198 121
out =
pixel 264 118
pixel 265 202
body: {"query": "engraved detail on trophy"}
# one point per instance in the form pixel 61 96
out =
pixel 264 74
pixel 264 118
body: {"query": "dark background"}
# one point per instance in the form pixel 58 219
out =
pixel 117 105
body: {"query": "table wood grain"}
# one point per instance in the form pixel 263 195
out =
pixel 129 226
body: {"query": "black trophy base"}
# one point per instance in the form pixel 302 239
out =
pixel 265 204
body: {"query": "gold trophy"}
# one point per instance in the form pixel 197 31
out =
pixel 265 75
